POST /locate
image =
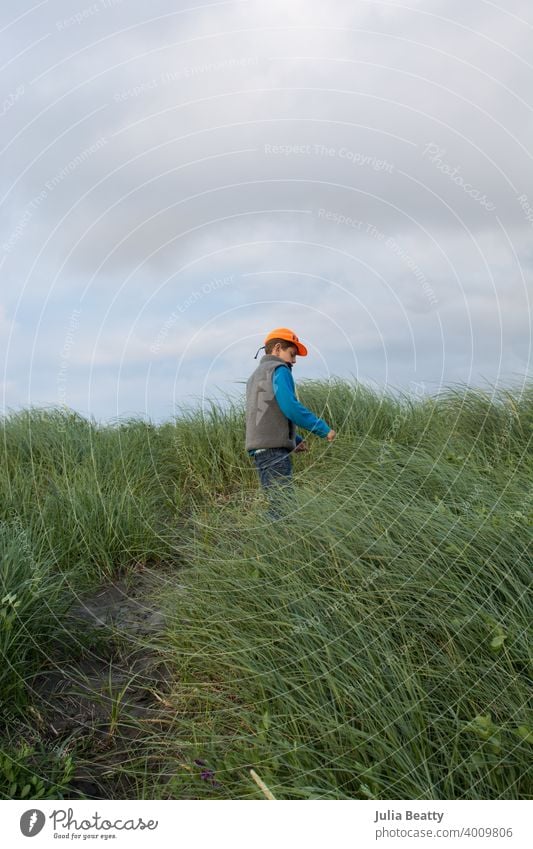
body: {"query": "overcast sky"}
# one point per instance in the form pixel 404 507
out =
pixel 179 178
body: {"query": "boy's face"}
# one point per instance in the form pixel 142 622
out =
pixel 288 355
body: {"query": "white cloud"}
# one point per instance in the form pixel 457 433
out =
pixel 183 190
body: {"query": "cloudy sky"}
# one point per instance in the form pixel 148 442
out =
pixel 179 178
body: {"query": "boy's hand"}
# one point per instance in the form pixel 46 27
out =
pixel 331 435
pixel 302 446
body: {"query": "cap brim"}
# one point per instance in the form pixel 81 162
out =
pixel 302 350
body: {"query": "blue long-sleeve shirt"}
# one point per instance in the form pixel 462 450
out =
pixel 285 395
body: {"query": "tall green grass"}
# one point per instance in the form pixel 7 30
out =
pixel 358 650
pixel 372 645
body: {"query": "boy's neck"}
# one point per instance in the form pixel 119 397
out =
pixel 268 357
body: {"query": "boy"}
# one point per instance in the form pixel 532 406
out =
pixel 273 410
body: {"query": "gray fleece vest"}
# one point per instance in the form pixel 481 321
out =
pixel 266 426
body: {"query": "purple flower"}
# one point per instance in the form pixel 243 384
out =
pixel 207 774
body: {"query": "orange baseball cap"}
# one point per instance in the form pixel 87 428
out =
pixel 290 336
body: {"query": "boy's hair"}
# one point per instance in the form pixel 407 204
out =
pixel 271 344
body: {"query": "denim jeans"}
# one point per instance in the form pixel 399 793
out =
pixel 274 466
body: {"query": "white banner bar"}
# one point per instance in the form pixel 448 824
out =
pixel 255 825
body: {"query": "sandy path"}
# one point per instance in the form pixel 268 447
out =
pixel 97 702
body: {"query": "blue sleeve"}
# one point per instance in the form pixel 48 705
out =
pixel 290 406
